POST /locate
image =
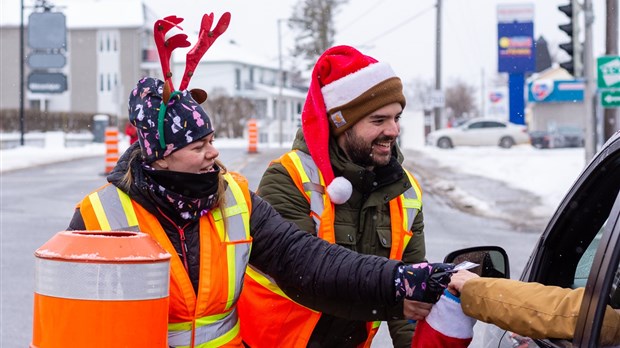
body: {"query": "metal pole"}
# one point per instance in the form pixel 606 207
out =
pixel 588 75
pixel 482 94
pixel 438 64
pixel 278 108
pixel 610 117
pixel 21 74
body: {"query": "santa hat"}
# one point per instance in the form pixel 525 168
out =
pixel 346 85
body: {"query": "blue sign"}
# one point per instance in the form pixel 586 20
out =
pixel 555 91
pixel 515 47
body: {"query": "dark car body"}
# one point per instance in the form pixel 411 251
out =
pixel 559 137
pixel 580 247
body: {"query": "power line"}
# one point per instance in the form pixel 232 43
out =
pixel 362 15
pixel 400 24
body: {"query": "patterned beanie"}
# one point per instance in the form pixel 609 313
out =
pixel 161 132
pixel 345 86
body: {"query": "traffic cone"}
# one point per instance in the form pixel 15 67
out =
pixel 101 289
pixel 252 136
pixel 111 148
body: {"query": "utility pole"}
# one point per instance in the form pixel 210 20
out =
pixel 482 94
pixel 279 101
pixel 438 64
pixel 610 117
pixel 21 75
pixel 588 75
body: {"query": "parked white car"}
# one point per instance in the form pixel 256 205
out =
pixel 480 132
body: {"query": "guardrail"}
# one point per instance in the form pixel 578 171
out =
pixel 12 140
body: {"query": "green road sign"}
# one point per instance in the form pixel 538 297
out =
pixel 610 99
pixel 608 71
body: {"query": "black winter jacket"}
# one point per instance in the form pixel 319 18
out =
pixel 303 266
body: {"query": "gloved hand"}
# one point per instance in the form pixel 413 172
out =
pixel 423 282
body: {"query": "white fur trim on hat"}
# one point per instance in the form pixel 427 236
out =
pixel 447 317
pixel 351 86
pixel 339 190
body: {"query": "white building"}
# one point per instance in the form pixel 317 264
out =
pixel 108 52
pixel 238 72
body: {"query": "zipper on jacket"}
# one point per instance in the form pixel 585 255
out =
pixel 181 230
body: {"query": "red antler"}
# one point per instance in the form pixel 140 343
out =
pixel 206 37
pixel 165 47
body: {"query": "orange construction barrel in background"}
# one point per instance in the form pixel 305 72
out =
pixel 252 136
pixel 111 148
pixel 101 289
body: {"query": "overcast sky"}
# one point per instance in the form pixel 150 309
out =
pixel 400 32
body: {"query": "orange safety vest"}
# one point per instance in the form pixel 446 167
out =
pixel 209 319
pixel 269 318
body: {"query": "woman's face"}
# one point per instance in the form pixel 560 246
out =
pixel 197 157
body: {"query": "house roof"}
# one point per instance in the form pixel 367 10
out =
pixel 82 14
pixel 228 51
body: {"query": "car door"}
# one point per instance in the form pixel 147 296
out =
pixel 470 134
pixel 580 248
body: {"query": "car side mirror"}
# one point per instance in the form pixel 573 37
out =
pixel 493 260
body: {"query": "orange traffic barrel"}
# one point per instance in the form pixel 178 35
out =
pixel 111 148
pixel 101 289
pixel 252 136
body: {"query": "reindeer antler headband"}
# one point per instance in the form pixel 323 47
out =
pixel 206 38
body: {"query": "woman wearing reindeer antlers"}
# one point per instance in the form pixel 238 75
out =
pixel 175 189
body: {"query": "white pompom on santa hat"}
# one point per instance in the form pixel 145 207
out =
pixel 346 85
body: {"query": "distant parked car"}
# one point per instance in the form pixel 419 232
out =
pixel 480 132
pixel 564 136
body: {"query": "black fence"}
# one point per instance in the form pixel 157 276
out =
pixel 40 121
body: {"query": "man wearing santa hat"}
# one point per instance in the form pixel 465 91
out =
pixel 343 181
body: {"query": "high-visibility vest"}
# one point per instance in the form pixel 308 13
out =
pixel 269 318
pixel 209 319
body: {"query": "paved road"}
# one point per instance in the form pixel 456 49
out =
pixel 38 202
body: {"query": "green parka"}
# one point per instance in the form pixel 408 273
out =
pixel 362 224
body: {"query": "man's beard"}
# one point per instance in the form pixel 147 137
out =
pixel 360 151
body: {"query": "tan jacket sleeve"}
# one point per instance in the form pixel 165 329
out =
pixel 531 309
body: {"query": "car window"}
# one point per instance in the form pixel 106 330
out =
pixel 476 125
pixel 492 124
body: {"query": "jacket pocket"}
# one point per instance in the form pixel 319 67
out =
pixel 385 236
pixel 345 234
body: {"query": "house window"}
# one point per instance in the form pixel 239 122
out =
pixel 237 79
pixel 252 75
pixel 109 87
pixel 101 82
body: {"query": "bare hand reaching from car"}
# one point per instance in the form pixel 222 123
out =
pixel 458 280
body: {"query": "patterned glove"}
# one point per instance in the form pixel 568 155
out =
pixel 423 282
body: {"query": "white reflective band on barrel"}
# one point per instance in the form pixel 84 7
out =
pixel 207 329
pixel 315 188
pixel 102 281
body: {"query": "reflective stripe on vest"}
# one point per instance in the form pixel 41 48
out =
pixel 105 204
pixel 210 331
pixel 238 229
pixel 113 208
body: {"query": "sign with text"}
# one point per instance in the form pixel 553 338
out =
pixel 47 82
pixel 610 98
pixel 515 38
pixel 555 91
pixel 608 71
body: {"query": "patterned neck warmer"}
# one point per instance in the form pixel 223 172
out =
pixel 191 195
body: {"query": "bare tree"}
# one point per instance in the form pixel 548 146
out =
pixel 313 20
pixel 228 113
pixel 418 93
pixel 460 100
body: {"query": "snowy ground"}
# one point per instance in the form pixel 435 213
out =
pixel 546 173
